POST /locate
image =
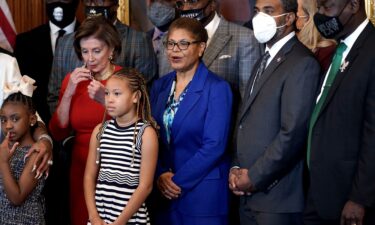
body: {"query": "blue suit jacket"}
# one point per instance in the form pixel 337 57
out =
pixel 197 152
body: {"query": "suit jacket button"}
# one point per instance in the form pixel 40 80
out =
pixel 240 126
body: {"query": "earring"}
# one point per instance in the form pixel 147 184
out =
pixel 32 124
pixel 110 58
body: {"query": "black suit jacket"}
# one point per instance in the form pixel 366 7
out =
pixel 33 51
pixel 272 129
pixel 342 164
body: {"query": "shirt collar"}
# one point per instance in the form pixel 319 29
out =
pixel 69 29
pixel 349 41
pixel 212 26
pixel 157 34
pixel 278 45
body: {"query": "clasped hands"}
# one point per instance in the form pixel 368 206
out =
pixel 167 187
pixel 239 182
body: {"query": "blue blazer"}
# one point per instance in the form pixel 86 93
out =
pixel 197 151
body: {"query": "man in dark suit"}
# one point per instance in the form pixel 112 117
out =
pixel 136 52
pixel 272 122
pixel 341 140
pixel 34 49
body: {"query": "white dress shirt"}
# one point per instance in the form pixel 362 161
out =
pixel 212 26
pixel 55 32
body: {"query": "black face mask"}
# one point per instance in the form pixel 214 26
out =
pixel 105 11
pixel 329 26
pixel 61 14
pixel 197 14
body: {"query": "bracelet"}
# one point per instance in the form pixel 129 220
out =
pixel 47 137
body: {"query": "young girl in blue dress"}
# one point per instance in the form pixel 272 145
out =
pixel 123 154
pixel 21 201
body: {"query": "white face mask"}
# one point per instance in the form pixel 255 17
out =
pixel 265 27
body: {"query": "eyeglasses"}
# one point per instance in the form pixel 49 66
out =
pixel 182 45
pixel 180 4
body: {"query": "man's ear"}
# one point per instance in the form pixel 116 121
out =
pixel 291 19
pixel 213 5
pixel 355 5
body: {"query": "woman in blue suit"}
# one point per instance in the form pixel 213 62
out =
pixel 193 109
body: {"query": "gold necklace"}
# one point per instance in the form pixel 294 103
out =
pixel 106 74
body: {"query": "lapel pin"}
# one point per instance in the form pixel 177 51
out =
pixel 343 66
pixel 279 59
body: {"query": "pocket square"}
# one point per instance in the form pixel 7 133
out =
pixel 225 56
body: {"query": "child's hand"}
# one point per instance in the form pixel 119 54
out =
pixel 97 221
pixel 7 149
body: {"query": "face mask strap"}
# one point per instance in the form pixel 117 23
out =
pixel 280 15
pixel 284 14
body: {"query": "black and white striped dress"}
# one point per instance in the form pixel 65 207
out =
pixel 119 172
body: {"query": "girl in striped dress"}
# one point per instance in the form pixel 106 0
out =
pixel 123 154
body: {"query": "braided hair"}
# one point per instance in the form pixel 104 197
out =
pixel 25 100
pixel 136 83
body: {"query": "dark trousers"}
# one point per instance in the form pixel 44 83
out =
pixel 250 217
pixel 311 216
pixel 56 189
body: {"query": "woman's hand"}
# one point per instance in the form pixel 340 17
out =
pixel 44 158
pixel 78 75
pixel 96 91
pixel 167 187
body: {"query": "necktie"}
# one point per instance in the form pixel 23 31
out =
pixel 336 63
pixel 261 68
pixel 157 40
pixel 61 33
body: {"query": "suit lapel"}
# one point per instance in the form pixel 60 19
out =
pixel 163 96
pixel 192 96
pixel 46 40
pixel 354 51
pixel 160 105
pixel 217 43
pixel 274 64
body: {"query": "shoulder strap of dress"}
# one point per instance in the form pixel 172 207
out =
pixel 140 132
pixel 105 124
